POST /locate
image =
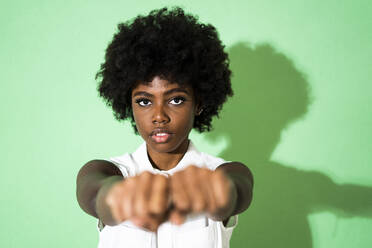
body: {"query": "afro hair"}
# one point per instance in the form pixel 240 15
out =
pixel 172 45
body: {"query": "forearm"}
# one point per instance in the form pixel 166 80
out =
pixel 102 209
pixel 93 180
pixel 242 179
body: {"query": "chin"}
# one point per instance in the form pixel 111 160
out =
pixel 162 147
pixel 166 147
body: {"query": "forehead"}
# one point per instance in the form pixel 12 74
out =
pixel 159 85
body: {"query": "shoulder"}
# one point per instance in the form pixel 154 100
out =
pixel 131 164
pixel 123 162
pixel 212 162
pixel 205 159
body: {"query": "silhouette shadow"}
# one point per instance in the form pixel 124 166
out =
pixel 269 94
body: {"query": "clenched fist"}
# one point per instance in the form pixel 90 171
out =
pixel 143 199
pixel 151 199
pixel 200 190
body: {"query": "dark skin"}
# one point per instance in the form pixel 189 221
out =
pixel 164 113
pixel 168 109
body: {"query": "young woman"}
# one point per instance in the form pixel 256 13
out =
pixel 167 73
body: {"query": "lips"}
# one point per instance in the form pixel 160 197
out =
pixel 160 135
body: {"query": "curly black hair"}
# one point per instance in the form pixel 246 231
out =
pixel 172 45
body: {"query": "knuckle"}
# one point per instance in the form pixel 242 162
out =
pixel 204 171
pixel 145 175
pixel 176 177
pixel 129 181
pixel 192 168
pixel 160 179
pixel 110 200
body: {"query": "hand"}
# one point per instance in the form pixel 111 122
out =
pixel 143 199
pixel 197 190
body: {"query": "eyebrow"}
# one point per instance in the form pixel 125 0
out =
pixel 168 92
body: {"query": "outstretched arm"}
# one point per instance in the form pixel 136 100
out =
pixel 102 193
pixel 242 179
pixel 222 193
pixel 92 183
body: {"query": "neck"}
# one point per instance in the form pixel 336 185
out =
pixel 167 161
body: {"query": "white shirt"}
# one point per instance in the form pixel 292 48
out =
pixel 197 231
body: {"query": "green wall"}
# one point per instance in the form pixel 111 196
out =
pixel 300 118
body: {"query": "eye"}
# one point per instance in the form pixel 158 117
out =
pixel 177 100
pixel 143 102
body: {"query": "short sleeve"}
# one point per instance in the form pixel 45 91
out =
pixel 232 222
pixel 213 162
pixel 123 163
pixel 226 231
pixel 100 225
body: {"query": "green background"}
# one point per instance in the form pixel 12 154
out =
pixel 300 118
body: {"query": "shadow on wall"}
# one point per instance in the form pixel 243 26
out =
pixel 269 94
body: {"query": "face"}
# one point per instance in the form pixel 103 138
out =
pixel 164 113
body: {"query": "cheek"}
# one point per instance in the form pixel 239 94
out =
pixel 139 120
pixel 188 121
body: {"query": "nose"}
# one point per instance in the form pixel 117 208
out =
pixel 160 115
